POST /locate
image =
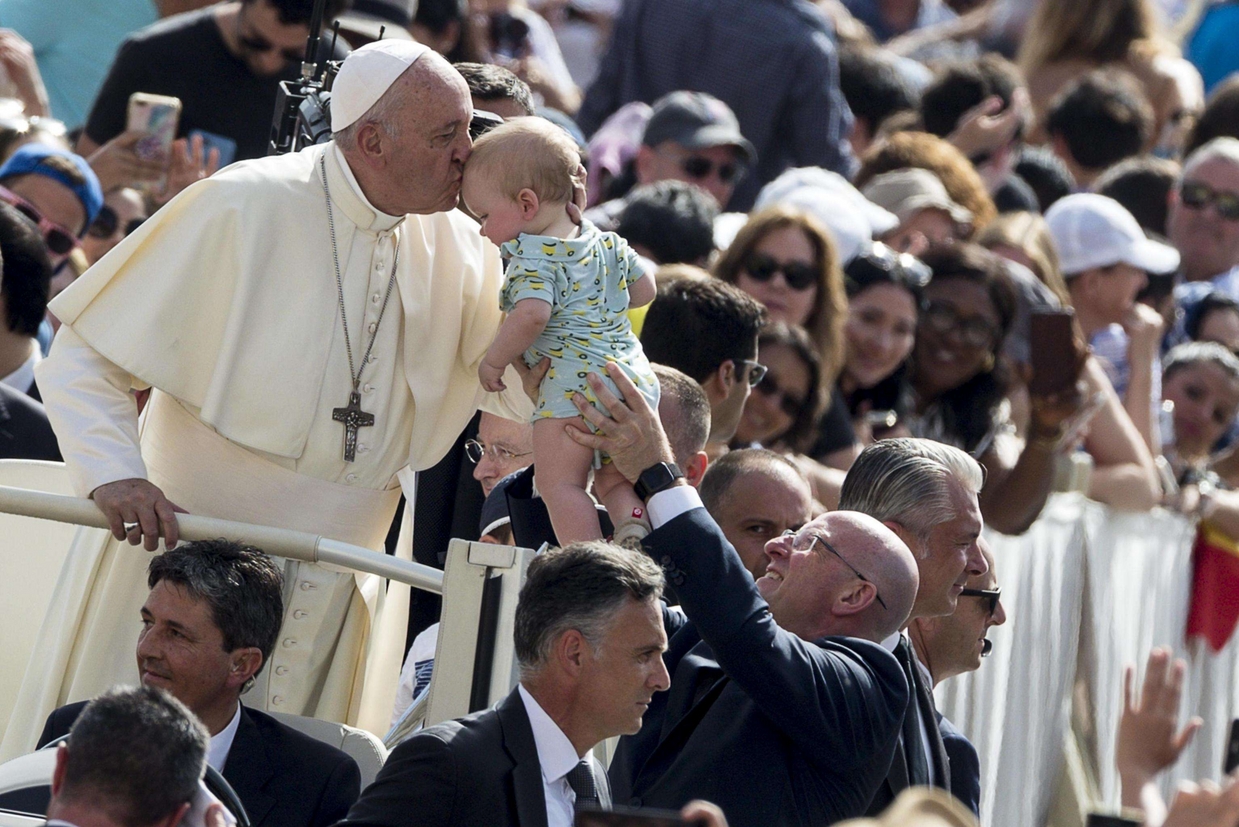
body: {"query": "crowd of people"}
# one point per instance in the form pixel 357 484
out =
pixel 756 313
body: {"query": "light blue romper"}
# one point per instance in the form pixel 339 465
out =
pixel 585 280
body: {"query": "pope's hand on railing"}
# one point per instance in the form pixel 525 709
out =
pixel 139 512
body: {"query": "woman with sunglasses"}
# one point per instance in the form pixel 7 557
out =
pixel 782 412
pixel 787 260
pixel 123 211
pixel 884 291
pixel 960 383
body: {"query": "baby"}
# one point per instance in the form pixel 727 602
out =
pixel 567 293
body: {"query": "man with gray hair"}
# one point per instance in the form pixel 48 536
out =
pixel 133 759
pixel 926 492
pixel 209 625
pixel 589 640
pixel 1203 222
pixel 311 324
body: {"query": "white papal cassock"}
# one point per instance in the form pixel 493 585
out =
pixel 225 303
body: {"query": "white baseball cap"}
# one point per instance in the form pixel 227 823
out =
pixel 1092 231
pixel 852 219
pixel 367 73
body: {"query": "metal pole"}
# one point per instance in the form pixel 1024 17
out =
pixel 297 545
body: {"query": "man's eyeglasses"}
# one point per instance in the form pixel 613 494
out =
pixel 975 331
pixel 990 596
pixel 475 450
pixel 788 403
pixel 1197 196
pixel 757 371
pixel 59 239
pixel 107 222
pixel 797 274
pixel 699 168
pixel 804 542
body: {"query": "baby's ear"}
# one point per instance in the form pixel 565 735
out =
pixel 528 201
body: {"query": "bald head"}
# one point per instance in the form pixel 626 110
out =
pixel 827 579
pixel 409 149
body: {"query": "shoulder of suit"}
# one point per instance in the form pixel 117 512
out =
pixel 478 728
pixel 293 746
pixel 17 401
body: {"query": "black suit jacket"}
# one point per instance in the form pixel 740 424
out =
pixel 478 771
pixel 774 729
pixel 897 779
pixel 283 778
pixel 25 432
pixel 965 765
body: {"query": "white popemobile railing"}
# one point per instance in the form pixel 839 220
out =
pixel 1087 590
pixel 480 583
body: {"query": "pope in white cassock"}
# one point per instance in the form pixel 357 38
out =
pixel 311 326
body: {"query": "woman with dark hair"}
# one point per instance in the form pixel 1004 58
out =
pixel 1214 318
pixel 782 411
pixel 884 290
pixel 960 383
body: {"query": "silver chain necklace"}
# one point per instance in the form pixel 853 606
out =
pixel 352 416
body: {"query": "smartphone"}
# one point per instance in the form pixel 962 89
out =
pixel 625 817
pixel 1231 762
pixel 157 116
pixel 1099 820
pixel 1054 350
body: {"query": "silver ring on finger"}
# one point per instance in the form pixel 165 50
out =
pixel 131 526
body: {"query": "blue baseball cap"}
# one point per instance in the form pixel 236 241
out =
pixel 31 159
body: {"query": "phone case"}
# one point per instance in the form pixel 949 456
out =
pixel 157 116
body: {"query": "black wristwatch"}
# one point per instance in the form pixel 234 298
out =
pixel 657 478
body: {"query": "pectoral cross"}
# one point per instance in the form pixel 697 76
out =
pixel 353 418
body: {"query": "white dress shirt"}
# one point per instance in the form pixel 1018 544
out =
pixel 221 742
pixel 558 757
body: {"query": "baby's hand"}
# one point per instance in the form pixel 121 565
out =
pixel 491 377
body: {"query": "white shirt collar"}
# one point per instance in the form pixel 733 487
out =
pixel 22 378
pixel 555 752
pixel 221 743
pixel 891 642
pixel 383 221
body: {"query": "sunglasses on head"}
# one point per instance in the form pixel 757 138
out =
pixel 107 221
pixel 881 264
pixel 60 241
pixel 1197 196
pixel 797 274
pixel 990 596
pixel 788 404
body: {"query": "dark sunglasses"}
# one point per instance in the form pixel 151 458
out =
pixel 788 404
pixel 757 371
pixel 944 318
pixel 797 274
pixel 106 222
pixel 699 168
pixel 258 43
pixel 882 265
pixel 991 596
pixel 1197 196
pixel 60 241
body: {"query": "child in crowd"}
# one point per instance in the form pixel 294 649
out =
pixel 567 293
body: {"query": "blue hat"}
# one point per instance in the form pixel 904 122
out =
pixel 30 160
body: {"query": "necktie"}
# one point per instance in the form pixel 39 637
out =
pixel 913 738
pixel 581 780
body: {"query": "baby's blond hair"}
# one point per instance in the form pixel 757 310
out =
pixel 529 152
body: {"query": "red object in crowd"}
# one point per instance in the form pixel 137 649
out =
pixel 1213 611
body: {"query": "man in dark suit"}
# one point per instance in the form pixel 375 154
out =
pixel 589 635
pixel 25 432
pixel 133 760
pixel 926 492
pixel 783 708
pixel 952 645
pixel 212 617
